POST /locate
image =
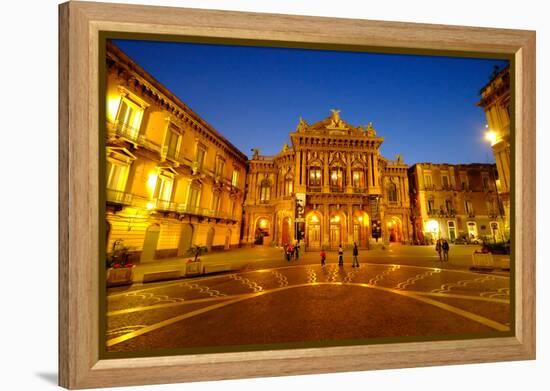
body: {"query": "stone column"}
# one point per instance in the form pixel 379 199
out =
pixel 349 188
pixel 350 224
pixel 326 186
pixel 325 226
pixel 304 163
pixel 376 174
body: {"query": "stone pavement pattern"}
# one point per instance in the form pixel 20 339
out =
pixel 301 302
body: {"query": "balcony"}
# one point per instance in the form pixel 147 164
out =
pixel 314 189
pixel 359 190
pixel 336 189
pixel 119 197
pixel 124 130
pixel 205 212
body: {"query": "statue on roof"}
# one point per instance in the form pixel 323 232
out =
pixel 370 130
pixel 335 120
pixel 255 153
pixel 285 148
pixel 302 125
pixel 399 158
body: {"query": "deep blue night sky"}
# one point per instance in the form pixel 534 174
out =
pixel 424 106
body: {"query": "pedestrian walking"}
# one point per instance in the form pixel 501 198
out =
pixel 340 256
pixel 323 257
pixel 445 248
pixel 438 248
pixel 297 250
pixel 355 255
pixel 291 252
pixel 288 253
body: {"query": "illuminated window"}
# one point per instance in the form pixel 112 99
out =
pixel 200 156
pixel 216 201
pixel 165 185
pixel 117 174
pixel 428 181
pixel 288 185
pixel 337 177
pixel 358 178
pixel 486 185
pixel 445 181
pixel 392 192
pixel 128 118
pixel 193 198
pixel 315 176
pixel 265 191
pixel 172 142
pixel 220 163
pixel 468 207
pixel 235 178
pixel 431 206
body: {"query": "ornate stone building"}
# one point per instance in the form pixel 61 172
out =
pixel 171 179
pixel 495 101
pixel 330 187
pixel 455 201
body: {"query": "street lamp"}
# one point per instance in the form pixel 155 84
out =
pixel 490 135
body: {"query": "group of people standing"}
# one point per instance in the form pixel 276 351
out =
pixel 355 263
pixel 442 248
pixel 292 251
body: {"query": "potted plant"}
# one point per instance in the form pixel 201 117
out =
pixel 120 271
pixel 193 266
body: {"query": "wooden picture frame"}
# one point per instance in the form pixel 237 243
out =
pixel 79 30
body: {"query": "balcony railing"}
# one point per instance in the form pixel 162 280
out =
pixel 336 189
pixel 127 131
pixel 442 213
pixel 359 190
pixel 314 189
pixel 119 197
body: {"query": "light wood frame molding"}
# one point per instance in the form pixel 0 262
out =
pixel 80 24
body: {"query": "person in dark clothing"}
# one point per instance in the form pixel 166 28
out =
pixel 445 249
pixel 340 256
pixel 355 255
pixel 438 248
pixel 297 250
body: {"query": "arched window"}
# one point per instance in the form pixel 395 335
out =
pixel 358 178
pixel 337 178
pixel 265 190
pixel 289 185
pixel 392 192
pixel 315 176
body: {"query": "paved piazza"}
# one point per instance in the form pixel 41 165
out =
pixel 306 302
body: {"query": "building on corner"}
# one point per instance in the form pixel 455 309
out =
pixel 455 201
pixel 171 179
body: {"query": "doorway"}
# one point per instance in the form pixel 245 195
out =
pixel 210 238
pixel 186 239
pixel 150 243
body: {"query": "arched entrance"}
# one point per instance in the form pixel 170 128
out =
pixel 313 231
pixel 210 238
pixel 395 229
pixel 285 231
pixel 361 225
pixel 186 239
pixel 262 231
pixel 336 229
pixel 227 245
pixel 150 243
